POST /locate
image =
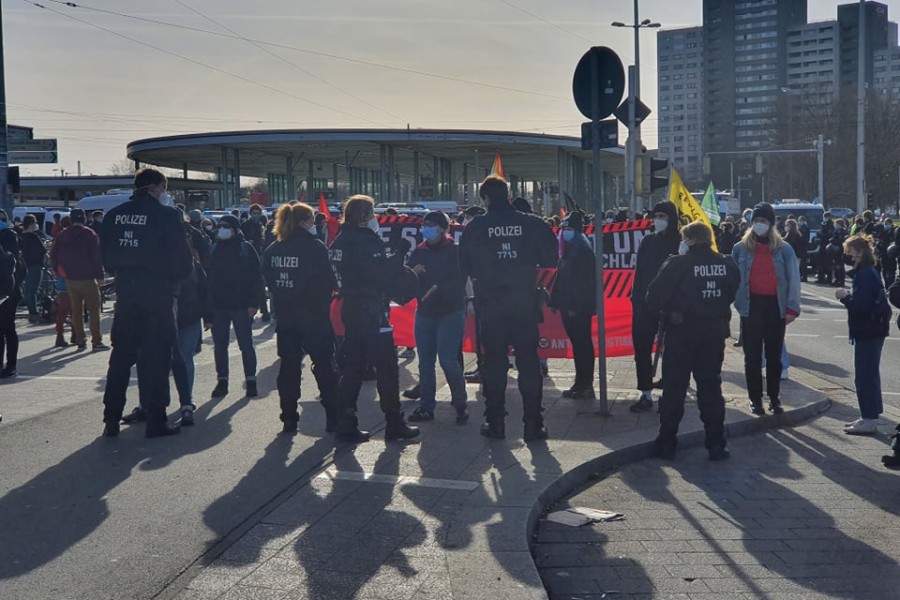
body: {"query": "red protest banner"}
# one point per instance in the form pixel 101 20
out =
pixel 620 243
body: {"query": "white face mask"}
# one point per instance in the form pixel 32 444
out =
pixel 760 229
pixel 660 225
pixel 225 233
pixel 683 247
pixel 373 224
pixel 166 200
pixel 311 229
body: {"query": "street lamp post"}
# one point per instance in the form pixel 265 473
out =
pixel 634 93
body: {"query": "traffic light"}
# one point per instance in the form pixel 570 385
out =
pixel 12 179
pixel 645 180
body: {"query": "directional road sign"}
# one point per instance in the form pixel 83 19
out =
pixel 31 158
pixel 17 132
pixel 48 145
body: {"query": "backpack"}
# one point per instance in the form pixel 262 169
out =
pixel 245 249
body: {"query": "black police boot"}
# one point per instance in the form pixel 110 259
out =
pixel 290 426
pixel 494 429
pixel 775 407
pixel 719 453
pixel 347 430
pixel 138 415
pixel 535 431
pixel 250 387
pixel 397 429
pixel 413 393
pixel 756 407
pixel 160 427
pixel 893 461
pixel 111 429
pixel 221 389
pixel 664 449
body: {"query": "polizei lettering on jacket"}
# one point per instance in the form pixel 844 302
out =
pixel 128 240
pixel 285 279
pixel 505 231
pixel 131 219
pixel 706 271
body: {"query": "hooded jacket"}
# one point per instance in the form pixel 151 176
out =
pixel 76 253
pixel 576 278
pixel 653 252
pixel 234 276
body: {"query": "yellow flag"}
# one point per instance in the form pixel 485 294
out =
pixel 686 205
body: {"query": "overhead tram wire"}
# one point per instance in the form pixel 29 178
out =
pixel 338 57
pixel 547 21
pixel 196 62
pixel 288 62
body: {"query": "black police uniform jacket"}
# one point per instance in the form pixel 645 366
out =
pixel 145 247
pixel 502 251
pixel 696 290
pixel 365 271
pixel 652 253
pixel 300 280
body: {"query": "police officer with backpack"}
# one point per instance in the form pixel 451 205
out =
pixel 502 252
pixel 301 281
pixel 694 291
pixel 144 247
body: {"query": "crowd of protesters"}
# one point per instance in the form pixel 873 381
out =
pixel 238 266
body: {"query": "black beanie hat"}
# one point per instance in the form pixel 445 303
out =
pixel 230 221
pixel 574 221
pixel 438 218
pixel 764 210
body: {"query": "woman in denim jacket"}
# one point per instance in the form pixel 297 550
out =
pixel 767 300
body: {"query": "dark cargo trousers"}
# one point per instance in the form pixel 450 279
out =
pixel 295 343
pixel 497 335
pixel 691 351
pixel 141 335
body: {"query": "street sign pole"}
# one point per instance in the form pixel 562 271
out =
pixel 597 175
pixel 5 198
pixel 597 86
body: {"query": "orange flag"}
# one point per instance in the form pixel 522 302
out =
pixel 497 167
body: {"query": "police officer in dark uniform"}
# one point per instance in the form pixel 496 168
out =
pixel 300 278
pixel 823 258
pixel 694 291
pixel 502 252
pixel 366 274
pixel 144 246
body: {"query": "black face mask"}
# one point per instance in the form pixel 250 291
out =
pixel 848 260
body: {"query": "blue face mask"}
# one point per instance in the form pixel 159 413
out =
pixel 4 224
pixel 568 235
pixel 430 233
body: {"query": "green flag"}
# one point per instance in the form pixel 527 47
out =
pixel 710 205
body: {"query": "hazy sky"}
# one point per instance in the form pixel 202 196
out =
pixel 350 65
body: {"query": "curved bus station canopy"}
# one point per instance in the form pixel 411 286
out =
pixel 392 165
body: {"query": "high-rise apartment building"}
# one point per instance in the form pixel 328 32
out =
pixel 680 99
pixel 813 64
pixel 880 34
pixel 745 44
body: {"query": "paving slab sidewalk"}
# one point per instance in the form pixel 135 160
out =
pixel 452 516
pixel 803 512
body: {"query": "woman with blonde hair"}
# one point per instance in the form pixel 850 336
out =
pixel 868 318
pixel 768 299
pixel 301 281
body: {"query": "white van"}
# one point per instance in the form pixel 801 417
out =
pixel 43 215
pixel 105 201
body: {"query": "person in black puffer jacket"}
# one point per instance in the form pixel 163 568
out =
pixel 302 283
pixel 652 253
pixel 33 253
pixel 440 316
pixel 235 295
pixel 575 297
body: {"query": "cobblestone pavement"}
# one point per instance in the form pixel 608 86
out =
pixel 796 514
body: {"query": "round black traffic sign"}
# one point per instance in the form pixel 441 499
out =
pixel 600 70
